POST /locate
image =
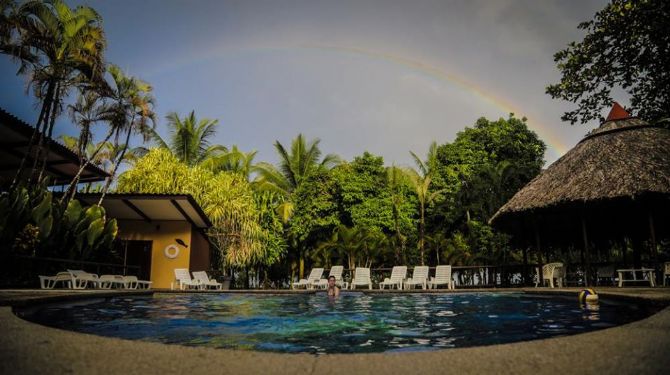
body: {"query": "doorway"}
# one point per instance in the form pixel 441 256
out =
pixel 138 254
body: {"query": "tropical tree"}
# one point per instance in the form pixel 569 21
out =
pixel 132 112
pixel 233 160
pixel 190 138
pixel 58 48
pixel 88 110
pixel 395 178
pixel 103 155
pixel 226 198
pixel 357 245
pixel 294 167
pixel 421 181
pixel 626 47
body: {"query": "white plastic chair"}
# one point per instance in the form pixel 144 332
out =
pixel 314 277
pixel 551 271
pixel 666 272
pixel 184 281
pixel 398 275
pixel 361 277
pixel 81 278
pixel 133 283
pixel 109 281
pixel 419 277
pixel 442 277
pixel 336 272
pixel 205 281
pixel 49 282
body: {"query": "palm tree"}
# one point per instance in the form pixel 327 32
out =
pixel 358 245
pixel 58 48
pixel 294 167
pixel 233 160
pixel 132 112
pixel 394 176
pixel 190 138
pixel 421 182
pixel 104 154
pixel 89 109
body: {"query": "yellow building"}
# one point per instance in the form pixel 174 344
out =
pixel 158 233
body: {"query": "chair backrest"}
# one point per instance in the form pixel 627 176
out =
pixel 130 278
pixel 315 274
pixel 443 273
pixel 555 269
pixel 398 273
pixel 201 275
pixel 666 268
pixel 336 271
pixel 420 273
pixel 362 273
pixel 81 273
pixel 182 274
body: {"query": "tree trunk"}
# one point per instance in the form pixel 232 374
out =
pixel 109 180
pixel 54 114
pixel 31 142
pixel 421 234
pixel 75 180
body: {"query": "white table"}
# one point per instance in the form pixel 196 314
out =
pixel 648 272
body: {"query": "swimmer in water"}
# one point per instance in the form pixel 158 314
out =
pixel 333 290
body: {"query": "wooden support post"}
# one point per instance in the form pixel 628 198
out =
pixel 584 252
pixel 538 248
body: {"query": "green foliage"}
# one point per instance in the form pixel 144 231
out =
pixel 316 209
pixel 226 198
pixel 626 47
pixel 357 246
pixel 36 225
pixel 503 151
pixel 190 139
pixel 363 193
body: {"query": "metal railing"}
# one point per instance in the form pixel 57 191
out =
pixel 22 271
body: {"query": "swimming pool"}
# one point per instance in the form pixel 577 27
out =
pixel 352 323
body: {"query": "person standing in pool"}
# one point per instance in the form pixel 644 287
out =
pixel 333 289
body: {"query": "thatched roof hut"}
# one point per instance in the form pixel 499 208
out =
pixel 623 158
pixel 615 181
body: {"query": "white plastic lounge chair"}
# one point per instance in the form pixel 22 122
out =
pixel 361 277
pixel 419 277
pixel 442 277
pixel 314 277
pixel 133 283
pixel 109 281
pixel 205 281
pixel 336 272
pixel 184 281
pixel 666 272
pixel 398 275
pixel 81 278
pixel 49 282
pixel 551 271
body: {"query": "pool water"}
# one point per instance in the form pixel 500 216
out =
pixel 352 323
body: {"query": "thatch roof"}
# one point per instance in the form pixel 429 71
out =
pixel 623 158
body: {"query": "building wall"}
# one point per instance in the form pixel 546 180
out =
pixel 162 234
pixel 200 252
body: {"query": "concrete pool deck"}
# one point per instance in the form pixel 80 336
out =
pixel 641 347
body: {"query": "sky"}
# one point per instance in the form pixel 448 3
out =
pixel 387 76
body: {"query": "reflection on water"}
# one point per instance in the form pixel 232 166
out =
pixel 354 322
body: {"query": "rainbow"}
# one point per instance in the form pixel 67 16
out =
pixel 555 145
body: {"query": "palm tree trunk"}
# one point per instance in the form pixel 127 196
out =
pixel 108 181
pixel 421 234
pixel 31 142
pixel 87 161
pixel 49 131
